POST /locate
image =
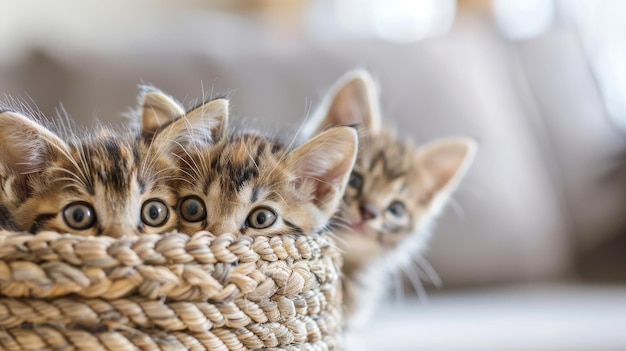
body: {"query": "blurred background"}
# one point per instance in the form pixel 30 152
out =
pixel 531 252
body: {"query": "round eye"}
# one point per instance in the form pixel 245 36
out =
pixel 192 209
pixel 79 215
pixel 261 218
pixel 397 209
pixel 355 181
pixel 154 213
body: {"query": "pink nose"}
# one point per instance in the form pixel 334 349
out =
pixel 368 211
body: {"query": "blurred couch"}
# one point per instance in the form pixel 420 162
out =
pixel 535 206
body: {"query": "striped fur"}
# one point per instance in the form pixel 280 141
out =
pixel 394 192
pixel 110 171
pixel 240 174
pixel 117 175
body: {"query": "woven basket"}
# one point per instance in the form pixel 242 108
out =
pixel 168 292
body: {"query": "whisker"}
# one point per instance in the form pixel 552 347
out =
pixel 338 217
pixel 335 240
pixel 292 142
pixel 149 160
pixel 417 285
pixel 345 227
pixel 73 176
pixel 339 239
pixel 301 127
pixel 252 159
pixel 193 165
pixel 428 270
pixel 192 179
pixel 281 197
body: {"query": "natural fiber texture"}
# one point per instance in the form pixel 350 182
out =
pixel 168 292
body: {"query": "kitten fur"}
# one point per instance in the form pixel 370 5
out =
pixel 235 182
pixel 394 192
pixel 200 125
pixel 108 182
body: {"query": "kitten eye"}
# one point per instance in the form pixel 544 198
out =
pixel 154 212
pixel 261 218
pixel 192 209
pixel 79 215
pixel 355 181
pixel 397 209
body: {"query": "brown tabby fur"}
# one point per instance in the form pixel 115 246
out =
pixel 113 172
pixel 235 175
pixel 376 240
pixel 242 173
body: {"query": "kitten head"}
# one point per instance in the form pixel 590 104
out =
pixel 109 183
pixel 394 189
pixel 252 185
pixel 86 186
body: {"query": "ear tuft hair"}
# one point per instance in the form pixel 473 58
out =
pixel 323 165
pixel 204 125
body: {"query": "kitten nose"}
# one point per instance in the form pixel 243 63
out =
pixel 368 210
pixel 118 232
pixel 221 228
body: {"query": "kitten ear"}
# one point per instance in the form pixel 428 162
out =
pixel 444 163
pixel 25 145
pixel 203 125
pixel 323 165
pixel 353 100
pixel 157 109
pixel 213 115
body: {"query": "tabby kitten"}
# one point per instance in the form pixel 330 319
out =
pixel 253 185
pixel 106 183
pixel 394 192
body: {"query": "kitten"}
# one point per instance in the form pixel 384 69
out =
pixel 253 185
pixel 393 193
pixel 107 183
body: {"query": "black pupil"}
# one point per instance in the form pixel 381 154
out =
pixel 396 209
pixel 354 181
pixel 192 208
pixel 261 218
pixel 78 215
pixel 154 212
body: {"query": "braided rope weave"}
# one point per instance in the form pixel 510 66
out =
pixel 168 292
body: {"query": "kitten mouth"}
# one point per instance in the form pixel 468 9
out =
pixel 359 227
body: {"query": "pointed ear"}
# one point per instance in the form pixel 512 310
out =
pixel 213 115
pixel 353 100
pixel 157 110
pixel 26 146
pixel 202 125
pixel 444 163
pixel 323 165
